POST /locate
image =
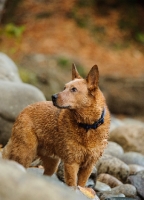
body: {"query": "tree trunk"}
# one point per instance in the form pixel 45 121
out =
pixel 2 4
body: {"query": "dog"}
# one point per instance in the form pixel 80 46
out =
pixel 73 127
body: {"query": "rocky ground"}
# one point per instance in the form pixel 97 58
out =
pixel 44 42
pixel 118 174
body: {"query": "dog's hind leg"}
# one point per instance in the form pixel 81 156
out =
pixel 22 146
pixel 50 164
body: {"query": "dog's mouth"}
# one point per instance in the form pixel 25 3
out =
pixel 61 107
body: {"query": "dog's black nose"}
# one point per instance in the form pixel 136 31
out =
pixel 54 97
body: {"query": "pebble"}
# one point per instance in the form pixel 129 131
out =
pixel 113 166
pixel 133 158
pixel 138 181
pixel 114 149
pixel 135 168
pixel 101 187
pixel 109 180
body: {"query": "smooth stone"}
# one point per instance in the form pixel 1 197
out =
pixel 101 187
pixel 114 149
pixel 109 180
pixel 113 166
pixel 138 181
pixel 126 189
pixel 104 196
pixel 15 97
pixel 133 158
pixel 130 137
pixel 16 184
pixel 8 69
pixel 115 123
pixel 35 170
pixel 135 168
pixel 119 198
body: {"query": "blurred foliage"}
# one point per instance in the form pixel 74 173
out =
pixel 13 30
pixel 65 63
pixel 131 13
pixel 27 76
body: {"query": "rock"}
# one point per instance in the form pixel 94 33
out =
pixel 101 187
pixel 51 72
pixel 126 189
pixel 119 198
pixel 115 123
pixel 35 170
pixel 135 168
pixel 16 184
pixel 133 158
pixel 121 94
pixel 16 96
pixel 113 166
pixel 8 69
pixel 88 192
pixel 109 180
pixel 138 181
pixel 104 196
pixel 114 149
pixel 130 137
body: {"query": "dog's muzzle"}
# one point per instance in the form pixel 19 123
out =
pixel 54 98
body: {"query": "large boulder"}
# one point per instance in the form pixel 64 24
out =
pixel 14 96
pixel 8 69
pixel 124 95
pixel 17 184
pixel 129 136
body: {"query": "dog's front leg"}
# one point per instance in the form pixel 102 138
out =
pixel 84 173
pixel 70 173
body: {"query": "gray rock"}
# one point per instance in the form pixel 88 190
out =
pixel 105 196
pixel 15 97
pixel 114 149
pixel 109 180
pixel 8 69
pixel 113 166
pixel 16 184
pixel 119 198
pixel 124 95
pixel 126 189
pixel 135 168
pixel 138 181
pixel 115 123
pixel 133 158
pixel 130 137
pixel 50 72
pixel 101 187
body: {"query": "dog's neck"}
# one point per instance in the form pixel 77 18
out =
pixel 96 124
pixel 85 116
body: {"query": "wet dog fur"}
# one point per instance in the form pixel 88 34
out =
pixel 52 130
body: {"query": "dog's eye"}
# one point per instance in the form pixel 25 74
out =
pixel 64 88
pixel 73 89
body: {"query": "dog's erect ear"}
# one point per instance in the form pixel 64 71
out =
pixel 93 78
pixel 75 73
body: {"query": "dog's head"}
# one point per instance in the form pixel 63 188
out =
pixel 79 92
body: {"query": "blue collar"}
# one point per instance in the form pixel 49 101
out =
pixel 96 124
